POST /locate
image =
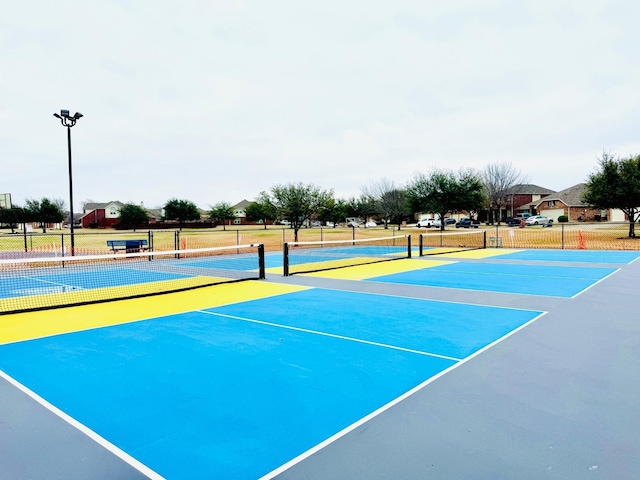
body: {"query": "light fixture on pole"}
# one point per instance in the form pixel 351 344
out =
pixel 69 121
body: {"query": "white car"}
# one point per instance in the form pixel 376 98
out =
pixel 538 220
pixel 427 222
pixel 370 224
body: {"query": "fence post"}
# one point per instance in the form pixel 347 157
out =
pixel 62 244
pixel 562 235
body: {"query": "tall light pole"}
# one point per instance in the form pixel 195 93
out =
pixel 69 121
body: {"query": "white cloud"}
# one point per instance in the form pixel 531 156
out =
pixel 216 101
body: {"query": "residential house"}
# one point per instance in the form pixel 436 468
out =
pixel 239 212
pixel 106 215
pixel 569 202
pixel 101 215
pixel 519 198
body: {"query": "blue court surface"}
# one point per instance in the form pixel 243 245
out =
pixel 586 256
pixel 317 255
pixel 238 390
pixel 560 281
pixel 70 280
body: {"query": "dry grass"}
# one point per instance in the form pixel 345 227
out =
pixel 574 236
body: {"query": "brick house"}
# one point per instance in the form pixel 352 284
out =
pixel 569 202
pixel 519 198
pixel 239 212
pixel 101 215
pixel 106 215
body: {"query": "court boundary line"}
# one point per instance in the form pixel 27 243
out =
pixel 388 405
pixel 100 440
pixel 138 319
pixel 485 291
pixel 332 335
pixel 440 300
pixel 595 283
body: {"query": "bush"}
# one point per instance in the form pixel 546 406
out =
pixel 563 218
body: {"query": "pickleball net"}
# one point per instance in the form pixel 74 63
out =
pixel 30 284
pixel 439 243
pixel 308 257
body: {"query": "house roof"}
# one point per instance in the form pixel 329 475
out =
pixel 242 205
pixel 528 189
pixel 99 206
pixel 155 212
pixel 572 196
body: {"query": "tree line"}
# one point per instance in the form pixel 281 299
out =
pixel 616 184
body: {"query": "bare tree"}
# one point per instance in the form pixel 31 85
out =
pixel 379 194
pixel 498 178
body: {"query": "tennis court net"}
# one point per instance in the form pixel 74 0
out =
pixel 450 242
pixel 307 257
pixel 42 283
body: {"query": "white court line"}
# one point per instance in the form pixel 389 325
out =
pixel 596 283
pixel 84 429
pixel 386 407
pixel 324 334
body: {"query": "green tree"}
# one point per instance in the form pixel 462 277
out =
pixel 394 207
pixel 445 192
pixel 44 212
pixel 367 207
pixel 616 185
pixel 221 212
pixel 181 210
pixel 11 217
pixel 133 216
pixel 261 210
pixel 297 202
pixel 334 211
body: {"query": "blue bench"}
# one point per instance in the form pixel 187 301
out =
pixel 129 246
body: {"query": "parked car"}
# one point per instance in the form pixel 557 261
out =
pixel 467 223
pixel 370 224
pixel 538 220
pixel 449 221
pixel 353 224
pixel 515 221
pixel 426 222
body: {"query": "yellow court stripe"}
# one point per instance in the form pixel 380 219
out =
pixel 361 272
pixel 107 293
pixel 24 326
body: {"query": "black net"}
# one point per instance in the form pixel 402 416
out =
pixel 438 243
pixel 50 282
pixel 306 257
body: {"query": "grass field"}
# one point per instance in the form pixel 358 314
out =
pixel 599 236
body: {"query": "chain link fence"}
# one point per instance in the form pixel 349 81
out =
pixel 597 236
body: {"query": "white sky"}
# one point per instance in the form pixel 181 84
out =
pixel 215 101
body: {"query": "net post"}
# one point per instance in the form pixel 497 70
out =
pixel 421 243
pixel 261 261
pixel 408 246
pixel 484 239
pixel 285 259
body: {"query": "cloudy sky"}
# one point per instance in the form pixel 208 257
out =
pixel 216 101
